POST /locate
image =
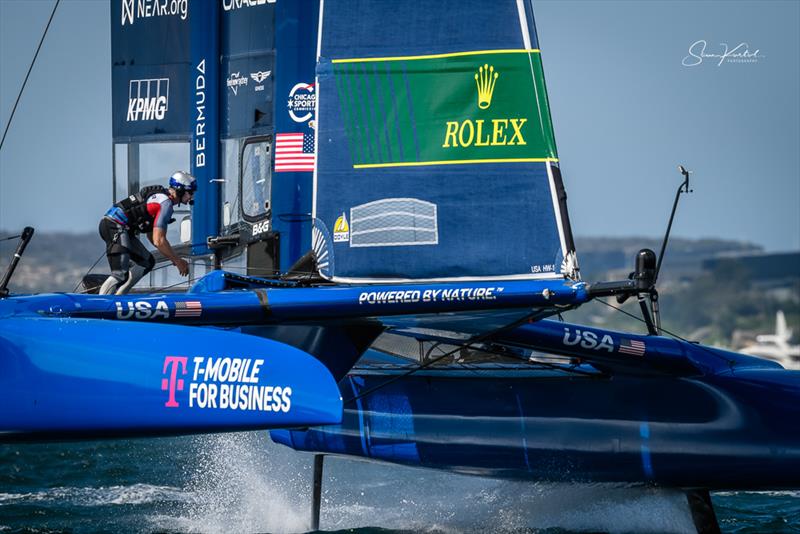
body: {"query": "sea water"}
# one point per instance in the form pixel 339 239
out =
pixel 245 483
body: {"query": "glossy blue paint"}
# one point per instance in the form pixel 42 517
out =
pixel 275 305
pixel 604 348
pixel 87 378
pixel 337 344
pixel 717 432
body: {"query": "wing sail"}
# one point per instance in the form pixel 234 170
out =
pixel 437 158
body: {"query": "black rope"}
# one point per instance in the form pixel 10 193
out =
pixel 116 236
pixel 469 344
pixel 9 238
pixel 87 272
pixel 30 68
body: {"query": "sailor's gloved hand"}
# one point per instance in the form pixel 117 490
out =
pixel 183 266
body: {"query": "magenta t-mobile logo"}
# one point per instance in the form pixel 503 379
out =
pixel 173 383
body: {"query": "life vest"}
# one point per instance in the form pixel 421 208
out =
pixel 135 208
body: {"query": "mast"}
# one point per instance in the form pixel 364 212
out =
pixel 204 147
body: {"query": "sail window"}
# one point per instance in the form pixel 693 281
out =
pixel 157 162
pixel 394 222
pixel 138 165
pixel 231 213
pixel 256 178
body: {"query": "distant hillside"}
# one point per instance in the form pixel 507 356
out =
pixel 56 261
pixel 684 257
pixel 53 261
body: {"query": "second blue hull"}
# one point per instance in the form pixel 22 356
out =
pixel 715 432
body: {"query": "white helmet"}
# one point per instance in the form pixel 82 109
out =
pixel 183 181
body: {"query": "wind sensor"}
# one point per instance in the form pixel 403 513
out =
pixel 641 282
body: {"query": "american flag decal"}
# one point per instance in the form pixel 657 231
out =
pixel 294 152
pixel 190 308
pixel 632 346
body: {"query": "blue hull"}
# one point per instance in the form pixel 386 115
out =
pixel 715 432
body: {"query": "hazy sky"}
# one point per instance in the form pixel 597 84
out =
pixel 626 112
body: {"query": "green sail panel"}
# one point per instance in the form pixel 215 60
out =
pixel 465 107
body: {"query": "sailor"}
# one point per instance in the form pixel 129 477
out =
pixel 147 212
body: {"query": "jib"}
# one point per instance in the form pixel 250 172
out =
pixel 588 340
pixel 142 310
pixel 147 109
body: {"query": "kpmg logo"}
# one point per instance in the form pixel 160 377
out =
pixel 148 100
pixel 485 79
pixel 173 364
pixel 144 9
pixel 234 81
pixel 485 131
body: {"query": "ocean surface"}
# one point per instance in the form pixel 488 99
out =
pixel 245 483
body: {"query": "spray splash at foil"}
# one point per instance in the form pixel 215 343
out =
pixel 245 483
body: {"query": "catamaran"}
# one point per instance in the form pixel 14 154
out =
pixel 379 237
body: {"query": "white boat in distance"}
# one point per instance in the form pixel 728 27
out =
pixel 776 346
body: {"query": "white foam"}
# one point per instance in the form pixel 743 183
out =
pixel 794 494
pixel 244 482
pixel 99 496
pixel 239 486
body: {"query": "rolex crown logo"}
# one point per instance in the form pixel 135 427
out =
pixel 485 80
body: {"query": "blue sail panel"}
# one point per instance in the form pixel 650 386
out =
pixel 436 152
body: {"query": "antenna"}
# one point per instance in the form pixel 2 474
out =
pixel 683 188
pixel 653 295
pixel 642 281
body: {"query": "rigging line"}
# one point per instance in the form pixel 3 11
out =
pixel 158 268
pixel 475 339
pixel 527 365
pixel 9 238
pixel 262 271
pixel 532 363
pixel 30 68
pixel 87 272
pixel 676 336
